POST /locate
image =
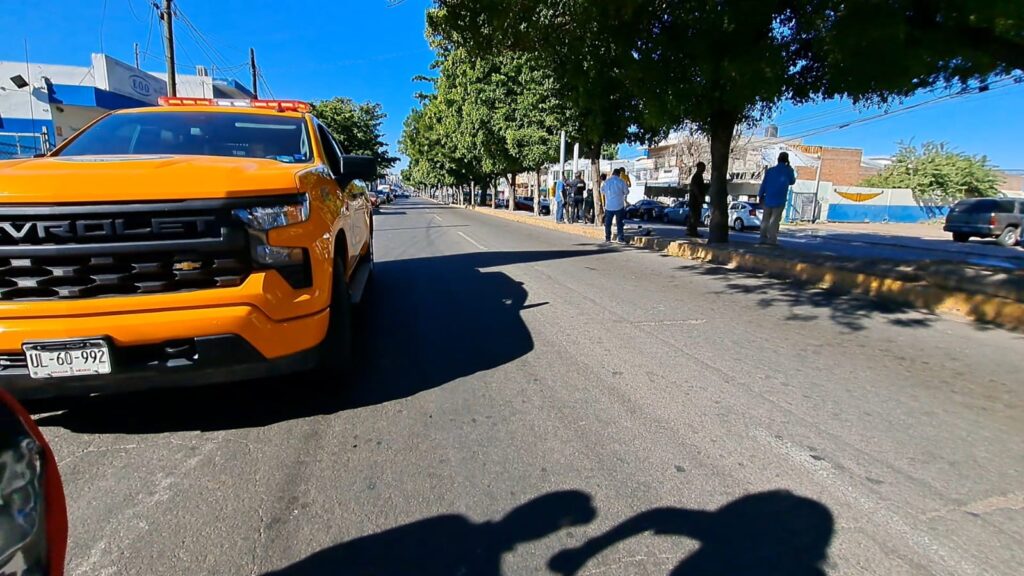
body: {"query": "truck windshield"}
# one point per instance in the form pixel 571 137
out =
pixel 279 138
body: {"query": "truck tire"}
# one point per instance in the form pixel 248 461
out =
pixel 961 237
pixel 1009 237
pixel 335 358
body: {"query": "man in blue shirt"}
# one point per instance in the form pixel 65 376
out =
pixel 615 191
pixel 773 194
pixel 560 201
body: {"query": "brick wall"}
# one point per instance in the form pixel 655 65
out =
pixel 1012 182
pixel 840 166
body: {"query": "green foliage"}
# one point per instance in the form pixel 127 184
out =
pixel 486 117
pixel 639 69
pixel 938 174
pixel 357 127
pixel 610 152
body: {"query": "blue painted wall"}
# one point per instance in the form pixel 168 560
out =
pixel 92 96
pixel 876 213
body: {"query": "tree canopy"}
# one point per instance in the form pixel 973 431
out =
pixel 486 117
pixel 639 69
pixel 938 174
pixel 357 127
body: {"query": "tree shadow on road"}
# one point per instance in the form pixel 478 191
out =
pixel 427 321
pixel 850 311
pixel 766 534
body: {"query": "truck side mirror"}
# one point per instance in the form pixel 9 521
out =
pixel 358 167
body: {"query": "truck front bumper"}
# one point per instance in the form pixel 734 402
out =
pixel 161 349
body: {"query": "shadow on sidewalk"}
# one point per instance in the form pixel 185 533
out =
pixel 427 321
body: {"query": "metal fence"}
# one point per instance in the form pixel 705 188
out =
pixel 22 144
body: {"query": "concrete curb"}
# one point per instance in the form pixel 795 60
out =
pixel 542 222
pixel 921 294
pixel 930 291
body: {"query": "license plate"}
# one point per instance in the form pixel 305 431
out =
pixel 69 358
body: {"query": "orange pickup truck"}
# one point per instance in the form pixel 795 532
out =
pixel 196 242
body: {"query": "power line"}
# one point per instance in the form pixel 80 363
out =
pixel 265 84
pixel 135 15
pixel 103 20
pixel 1005 82
pixel 200 39
pixel 149 33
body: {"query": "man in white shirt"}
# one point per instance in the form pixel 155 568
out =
pixel 615 191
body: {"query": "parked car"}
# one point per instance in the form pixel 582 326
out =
pixel 999 218
pixel 677 213
pixel 645 210
pixel 181 245
pixel 743 215
pixel 374 199
pixel 525 203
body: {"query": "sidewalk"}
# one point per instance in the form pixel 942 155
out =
pixel 985 294
pixel 921 231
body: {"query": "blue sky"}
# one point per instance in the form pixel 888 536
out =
pixel 366 51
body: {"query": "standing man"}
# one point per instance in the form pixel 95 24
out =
pixel 579 192
pixel 773 194
pixel 698 190
pixel 615 192
pixel 559 201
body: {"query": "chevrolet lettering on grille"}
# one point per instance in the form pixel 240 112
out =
pixel 98 229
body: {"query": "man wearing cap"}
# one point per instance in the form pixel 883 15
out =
pixel 773 194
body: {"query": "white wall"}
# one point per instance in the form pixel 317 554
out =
pixel 123 78
pixel 70 119
pixel 15 102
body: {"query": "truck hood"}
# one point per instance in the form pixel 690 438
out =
pixel 71 179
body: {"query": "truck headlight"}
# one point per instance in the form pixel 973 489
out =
pixel 265 218
pixel 277 256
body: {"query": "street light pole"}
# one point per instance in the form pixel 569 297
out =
pixel 167 16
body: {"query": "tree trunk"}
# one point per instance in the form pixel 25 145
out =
pixel 536 195
pixel 595 182
pixel 722 129
pixel 512 193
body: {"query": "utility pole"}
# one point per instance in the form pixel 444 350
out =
pixel 252 68
pixel 167 16
pixel 136 46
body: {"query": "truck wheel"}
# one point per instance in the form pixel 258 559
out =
pixel 961 237
pixel 1009 237
pixel 336 349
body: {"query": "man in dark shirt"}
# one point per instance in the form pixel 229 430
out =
pixel 578 189
pixel 698 190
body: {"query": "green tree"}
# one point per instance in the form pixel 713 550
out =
pixel 486 118
pixel 610 152
pixel 583 62
pixel 721 64
pixel 938 174
pixel 357 128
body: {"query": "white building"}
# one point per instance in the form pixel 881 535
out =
pixel 41 105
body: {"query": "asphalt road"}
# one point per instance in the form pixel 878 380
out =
pixel 521 392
